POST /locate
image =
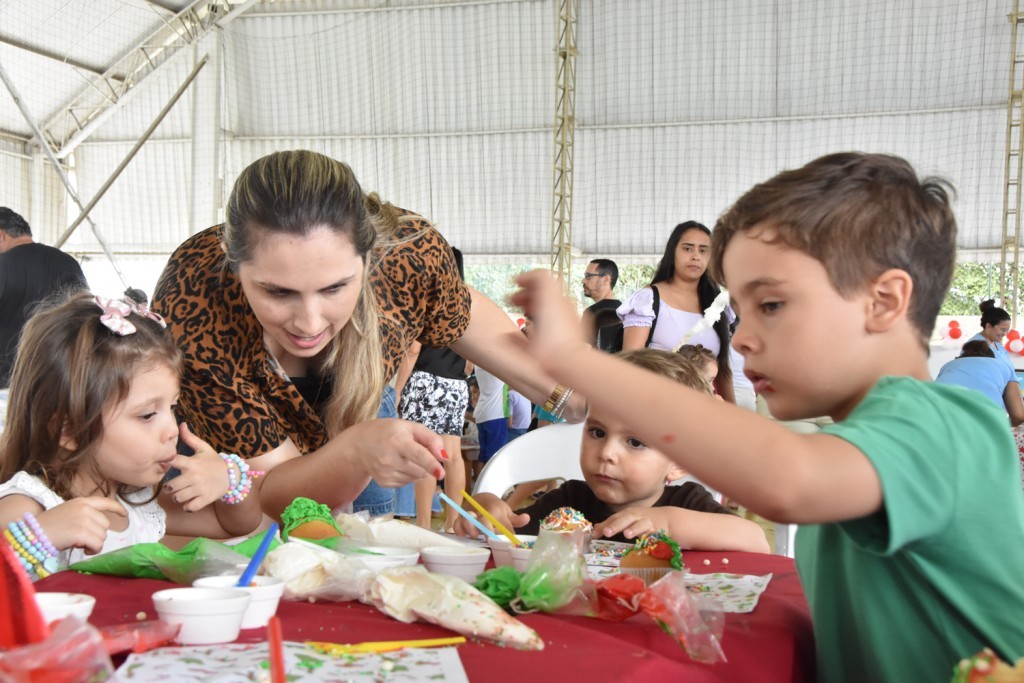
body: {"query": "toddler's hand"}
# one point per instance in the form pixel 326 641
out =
pixel 204 476
pixel 632 523
pixel 498 508
pixel 80 522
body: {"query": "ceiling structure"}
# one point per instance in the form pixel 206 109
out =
pixel 448 108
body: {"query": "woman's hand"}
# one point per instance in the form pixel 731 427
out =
pixel 204 476
pixel 80 522
pixel 395 452
pixel 498 508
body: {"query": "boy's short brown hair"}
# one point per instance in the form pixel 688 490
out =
pixel 671 365
pixel 859 215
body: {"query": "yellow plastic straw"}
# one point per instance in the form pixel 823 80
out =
pixel 490 518
pixel 381 646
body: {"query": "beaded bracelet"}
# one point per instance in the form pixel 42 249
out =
pixel 21 554
pixel 35 551
pixel 37 529
pixel 240 486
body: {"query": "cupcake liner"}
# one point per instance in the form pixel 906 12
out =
pixel 647 574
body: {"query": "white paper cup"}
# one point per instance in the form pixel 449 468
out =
pixel 264 596
pixel 464 562
pixel 207 615
pixel 520 557
pixel 500 547
pixel 54 606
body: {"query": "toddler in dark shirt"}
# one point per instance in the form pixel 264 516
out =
pixel 626 492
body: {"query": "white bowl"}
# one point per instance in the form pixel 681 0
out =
pixel 264 596
pixel 206 615
pixel 520 557
pixel 500 547
pixel 54 606
pixel 382 557
pixel 464 562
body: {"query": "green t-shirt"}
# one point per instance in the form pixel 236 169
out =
pixel 938 573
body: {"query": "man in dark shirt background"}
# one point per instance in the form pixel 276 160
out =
pixel 598 282
pixel 29 273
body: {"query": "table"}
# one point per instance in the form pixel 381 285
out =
pixel 773 643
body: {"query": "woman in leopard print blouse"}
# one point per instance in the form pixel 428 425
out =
pixel 293 316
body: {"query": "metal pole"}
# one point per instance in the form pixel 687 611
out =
pixel 131 155
pixel 45 146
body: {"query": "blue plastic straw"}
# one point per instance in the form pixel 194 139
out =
pixel 257 559
pixel 467 515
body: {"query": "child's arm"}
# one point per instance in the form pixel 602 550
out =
pixel 689 528
pixel 193 500
pixel 498 508
pixel 77 523
pixel 780 475
pixel 1014 403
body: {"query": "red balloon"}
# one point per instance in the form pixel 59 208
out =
pixel 1013 334
pixel 953 323
pixel 955 332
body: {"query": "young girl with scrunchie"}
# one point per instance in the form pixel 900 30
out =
pixel 91 436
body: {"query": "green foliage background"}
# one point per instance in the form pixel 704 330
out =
pixel 972 283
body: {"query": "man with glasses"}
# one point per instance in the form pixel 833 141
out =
pixel 598 282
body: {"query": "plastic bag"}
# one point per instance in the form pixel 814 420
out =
pixel 318 573
pixel 200 557
pixel 411 593
pixel 74 652
pixel 695 621
pixel 138 637
pixel 554 576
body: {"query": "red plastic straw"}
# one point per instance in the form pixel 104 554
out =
pixel 277 672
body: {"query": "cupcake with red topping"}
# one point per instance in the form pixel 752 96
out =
pixel 652 557
pixel 986 667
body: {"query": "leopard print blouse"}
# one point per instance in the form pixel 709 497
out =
pixel 231 392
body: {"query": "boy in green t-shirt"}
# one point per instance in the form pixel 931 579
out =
pixel 912 546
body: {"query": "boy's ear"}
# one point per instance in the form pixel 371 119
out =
pixel 889 300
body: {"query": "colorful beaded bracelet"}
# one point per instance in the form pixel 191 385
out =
pixel 240 486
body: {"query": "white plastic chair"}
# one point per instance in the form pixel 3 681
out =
pixel 550 452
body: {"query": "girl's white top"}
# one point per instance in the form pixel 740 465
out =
pixel 147 523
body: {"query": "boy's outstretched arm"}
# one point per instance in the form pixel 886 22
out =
pixel 691 529
pixel 780 475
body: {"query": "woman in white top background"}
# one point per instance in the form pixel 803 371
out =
pixel 685 291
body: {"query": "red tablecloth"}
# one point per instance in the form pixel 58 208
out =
pixel 772 643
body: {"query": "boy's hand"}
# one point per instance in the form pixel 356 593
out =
pixel 557 330
pixel 632 523
pixel 80 522
pixel 204 476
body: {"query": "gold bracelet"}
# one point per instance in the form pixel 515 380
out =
pixel 562 403
pixel 556 394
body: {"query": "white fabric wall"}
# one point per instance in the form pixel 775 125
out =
pixel 449 110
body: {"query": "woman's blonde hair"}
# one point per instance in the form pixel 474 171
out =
pixel 296 192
